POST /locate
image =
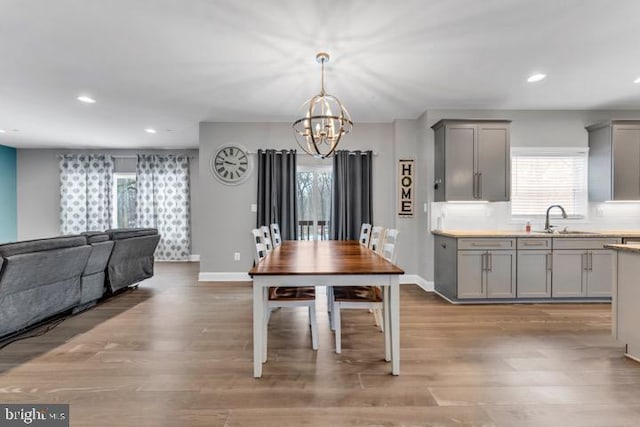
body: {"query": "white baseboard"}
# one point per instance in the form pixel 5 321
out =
pixel 209 276
pixel 192 258
pixel 414 278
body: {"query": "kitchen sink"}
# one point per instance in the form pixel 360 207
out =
pixel 568 232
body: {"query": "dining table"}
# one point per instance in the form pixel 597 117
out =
pixel 326 263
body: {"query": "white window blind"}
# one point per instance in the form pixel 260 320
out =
pixel 540 179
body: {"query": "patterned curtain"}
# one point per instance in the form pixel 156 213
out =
pixel 163 202
pixel 85 192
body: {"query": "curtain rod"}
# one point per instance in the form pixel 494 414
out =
pixel 115 156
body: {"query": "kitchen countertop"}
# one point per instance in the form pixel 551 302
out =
pixel 516 233
pixel 627 248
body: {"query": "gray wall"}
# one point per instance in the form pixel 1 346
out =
pixel 227 209
pixel 39 191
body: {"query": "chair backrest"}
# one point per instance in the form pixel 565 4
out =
pixel 365 234
pixel 266 238
pixel 391 236
pixel 377 238
pixel 275 235
pixel 260 249
pixel 389 252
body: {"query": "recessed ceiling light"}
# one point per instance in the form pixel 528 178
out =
pixel 150 130
pixel 536 77
pixel 637 80
pixel 86 99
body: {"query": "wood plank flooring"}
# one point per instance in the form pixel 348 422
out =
pixel 176 352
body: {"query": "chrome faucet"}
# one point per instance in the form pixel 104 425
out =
pixel 547 226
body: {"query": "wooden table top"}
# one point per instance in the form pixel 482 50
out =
pixel 323 257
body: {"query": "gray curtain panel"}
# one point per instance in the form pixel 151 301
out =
pixel 277 191
pixel 85 192
pixel 163 202
pixel 352 193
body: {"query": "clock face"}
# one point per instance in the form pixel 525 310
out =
pixel 231 164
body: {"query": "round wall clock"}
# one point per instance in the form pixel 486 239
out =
pixel 231 164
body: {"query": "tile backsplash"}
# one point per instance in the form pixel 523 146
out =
pixel 497 216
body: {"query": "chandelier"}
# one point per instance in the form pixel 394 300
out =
pixel 324 122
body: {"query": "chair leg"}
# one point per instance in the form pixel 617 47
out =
pixel 337 326
pixel 377 315
pixel 387 325
pixel 314 326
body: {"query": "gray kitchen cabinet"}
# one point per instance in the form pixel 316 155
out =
pixel 534 267
pixel 486 268
pixel 614 160
pixel 472 160
pixel 582 267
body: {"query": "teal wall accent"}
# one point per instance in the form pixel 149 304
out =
pixel 8 195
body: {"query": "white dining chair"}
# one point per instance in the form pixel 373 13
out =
pixel 281 297
pixel 275 235
pixel 391 236
pixel 365 234
pixel 266 238
pixel 359 297
pixel 377 238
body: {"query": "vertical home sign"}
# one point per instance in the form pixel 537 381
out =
pixel 406 170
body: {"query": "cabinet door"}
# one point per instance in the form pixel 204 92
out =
pixel 534 274
pixel 501 274
pixel 494 162
pixel 600 273
pixel 568 277
pixel 460 162
pixel 626 163
pixel 471 274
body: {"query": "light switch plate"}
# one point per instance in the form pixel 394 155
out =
pixel 254 207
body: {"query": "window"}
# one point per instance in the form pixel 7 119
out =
pixel 314 201
pixel 544 177
pixel 124 200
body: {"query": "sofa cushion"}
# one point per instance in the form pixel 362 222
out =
pixel 39 245
pixel 127 233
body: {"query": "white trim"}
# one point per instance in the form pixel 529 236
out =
pixel 210 276
pixel 415 279
pixel 194 258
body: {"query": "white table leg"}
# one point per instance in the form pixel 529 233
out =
pixel 386 323
pixel 258 328
pixel 394 310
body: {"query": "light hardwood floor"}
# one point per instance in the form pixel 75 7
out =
pixel 176 352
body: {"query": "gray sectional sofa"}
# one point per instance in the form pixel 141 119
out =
pixel 44 277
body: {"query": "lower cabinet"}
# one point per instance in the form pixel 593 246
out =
pixel 582 273
pixel 486 268
pixel 534 273
pixel 531 267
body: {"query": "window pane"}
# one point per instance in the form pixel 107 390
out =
pixel 540 180
pixel 314 202
pixel 125 206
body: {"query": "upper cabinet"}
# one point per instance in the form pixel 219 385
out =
pixel 472 160
pixel 614 160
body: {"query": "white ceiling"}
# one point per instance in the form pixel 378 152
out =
pixel 170 64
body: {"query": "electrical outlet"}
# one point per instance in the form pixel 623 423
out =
pixel 236 256
pixel 254 208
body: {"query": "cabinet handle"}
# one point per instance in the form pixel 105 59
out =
pixel 487 245
pixel 482 263
pixel 475 187
pixel 590 261
pixel 490 262
pixel 549 262
pixel 584 261
pixel 479 185
pixel 535 244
